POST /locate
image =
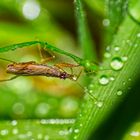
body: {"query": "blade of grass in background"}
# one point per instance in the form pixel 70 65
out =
pixel 85 39
pixel 115 13
pixel 96 6
pixel 111 87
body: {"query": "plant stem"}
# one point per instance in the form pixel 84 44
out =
pixel 84 35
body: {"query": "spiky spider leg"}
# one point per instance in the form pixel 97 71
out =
pixel 42 52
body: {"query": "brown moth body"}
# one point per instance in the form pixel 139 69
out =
pixel 34 69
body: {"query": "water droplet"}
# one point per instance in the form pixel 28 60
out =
pixel 70 130
pixel 99 104
pixel 15 131
pixel 103 80
pixel 40 136
pixel 116 63
pixel 22 136
pixel 116 48
pixel 91 86
pixel 108 48
pixel 135 133
pixel 136 45
pixel 112 78
pixel 90 91
pixel 76 131
pixel 106 22
pixel 107 55
pixel 128 41
pixel 75 137
pixel 68 107
pixel 124 83
pixel 119 92
pixel 46 137
pixel 31 10
pixel 138 35
pixel 14 122
pixel 29 134
pixel 4 132
pixel 42 109
pixel 124 58
pixel 63 132
pixel 18 108
pixel 129 79
pixel 81 124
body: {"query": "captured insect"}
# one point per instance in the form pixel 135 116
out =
pixel 32 68
pixel 86 64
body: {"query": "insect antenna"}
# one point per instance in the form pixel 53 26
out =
pixel 7 60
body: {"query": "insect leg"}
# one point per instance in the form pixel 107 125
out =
pixel 12 78
pixel 7 60
pixel 66 65
pixel 43 52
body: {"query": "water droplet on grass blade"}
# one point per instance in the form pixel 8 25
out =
pixel 116 63
pixel 15 131
pixel 135 133
pixel 112 78
pixel 14 122
pixel 106 22
pixel 107 55
pixel 4 132
pixel 119 92
pixel 138 35
pixel 99 104
pixel 76 131
pixel 124 58
pixel 103 80
pixel 116 48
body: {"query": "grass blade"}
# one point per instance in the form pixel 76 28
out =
pixel 85 38
pixel 110 93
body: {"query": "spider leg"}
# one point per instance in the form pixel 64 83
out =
pixel 12 78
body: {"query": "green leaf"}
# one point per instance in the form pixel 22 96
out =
pixel 85 39
pixel 111 85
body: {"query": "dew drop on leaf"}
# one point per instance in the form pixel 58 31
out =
pixel 4 132
pixel 99 104
pixel 112 78
pixel 124 58
pixel 103 80
pixel 107 55
pixel 14 122
pixel 119 92
pixel 76 131
pixel 135 133
pixel 116 48
pixel 106 22
pixel 15 131
pixel 116 63
pixel 129 79
pixel 138 35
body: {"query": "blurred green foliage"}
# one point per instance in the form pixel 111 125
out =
pixel 27 98
pixel 42 108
